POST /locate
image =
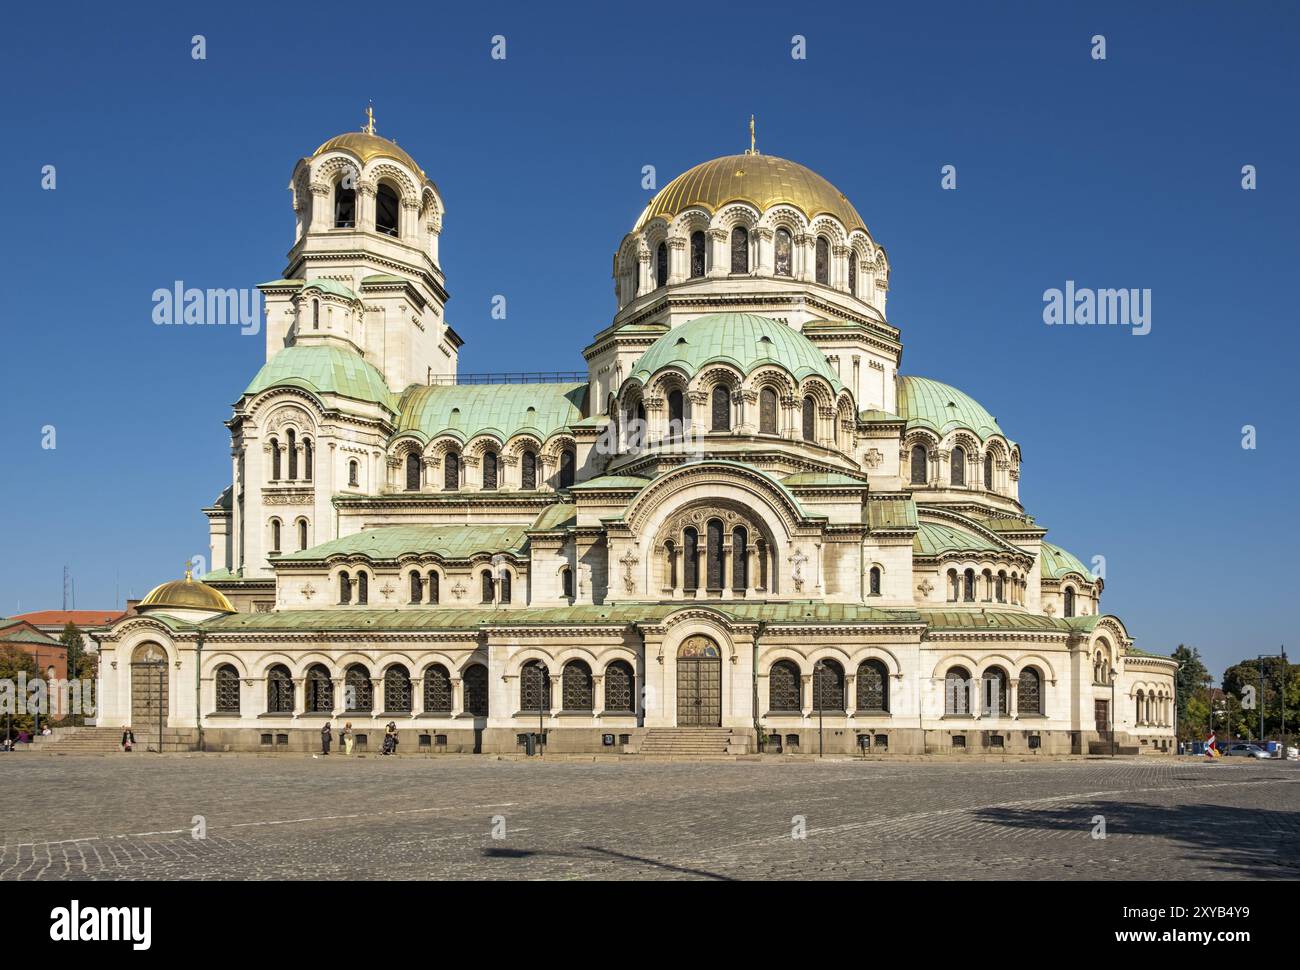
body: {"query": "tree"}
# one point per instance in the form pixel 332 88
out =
pixel 1192 677
pixel 13 662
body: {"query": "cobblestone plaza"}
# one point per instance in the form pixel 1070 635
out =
pixel 288 817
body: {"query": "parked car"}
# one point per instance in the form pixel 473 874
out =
pixel 1246 751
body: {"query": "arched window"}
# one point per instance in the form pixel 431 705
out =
pixel 988 472
pixel 417 587
pixel 308 459
pixel 353 470
pixel 995 693
pixel 363 587
pixel 227 689
pixel 576 690
pixel 528 471
pixel 697 255
pixel 568 460
pixel 740 558
pixel 451 472
pixel 874 577
pixel 345 589
pixel 809 419
pixel 661 265
pixel 279 690
pixel 1029 692
pixel 919 462
pixel 715 564
pixel 433 587
pixel 412 472
pixel 691 559
pixel 1069 601
pixel 783 250
pixel 956 691
pixel 873 687
pixel 397 689
pixel 438 691
pixel 620 688
pixel 767 412
pixel 823 266
pixel 275 535
pixel 386 210
pixel 959 466
pixel 476 690
pixel 345 206
pixel 505 586
pixel 828 686
pixel 534 687
pixel 968 586
pixel 275 460
pixel 566 582
pixel 358 690
pixel 740 250
pixel 489 471
pixel 676 414
pixel 853 273
pixel 721 408
pixel 320 691
pixel 487 587
pixel 293 455
pixel 783 688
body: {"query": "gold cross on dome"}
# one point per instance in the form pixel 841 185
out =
pixel 369 126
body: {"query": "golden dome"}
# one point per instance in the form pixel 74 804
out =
pixel 366 146
pixel 188 594
pixel 761 180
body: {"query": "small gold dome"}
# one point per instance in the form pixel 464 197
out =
pixel 187 593
pixel 761 180
pixel 366 146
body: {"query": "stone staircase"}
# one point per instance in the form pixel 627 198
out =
pixel 692 742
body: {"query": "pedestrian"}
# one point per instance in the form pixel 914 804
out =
pixel 347 738
pixel 325 738
pixel 128 738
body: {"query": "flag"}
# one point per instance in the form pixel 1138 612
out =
pixel 1211 749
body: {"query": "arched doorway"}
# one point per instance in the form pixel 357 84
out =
pixel 148 695
pixel 699 683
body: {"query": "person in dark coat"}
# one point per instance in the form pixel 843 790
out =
pixel 325 738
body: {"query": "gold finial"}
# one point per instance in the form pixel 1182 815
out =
pixel 752 149
pixel 188 566
pixel 369 126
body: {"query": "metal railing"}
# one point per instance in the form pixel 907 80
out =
pixel 532 377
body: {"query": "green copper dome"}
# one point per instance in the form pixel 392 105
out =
pixel 743 340
pixel 1057 562
pixel 323 369
pixel 939 407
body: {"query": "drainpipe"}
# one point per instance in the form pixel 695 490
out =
pixel 198 686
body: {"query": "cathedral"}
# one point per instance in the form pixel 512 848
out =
pixel 738 529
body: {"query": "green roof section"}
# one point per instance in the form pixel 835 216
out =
pixel 558 516
pixel 746 341
pixel 502 410
pixel 394 541
pixel 332 287
pixel 821 480
pixel 941 408
pixel 1057 563
pixel 324 369
pixel 933 539
pixel 612 481
pixel 889 514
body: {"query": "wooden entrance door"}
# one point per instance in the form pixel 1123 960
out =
pixel 1101 711
pixel 699 683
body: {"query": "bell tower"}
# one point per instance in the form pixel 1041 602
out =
pixel 363 272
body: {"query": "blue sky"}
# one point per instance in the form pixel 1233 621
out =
pixel 1119 173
